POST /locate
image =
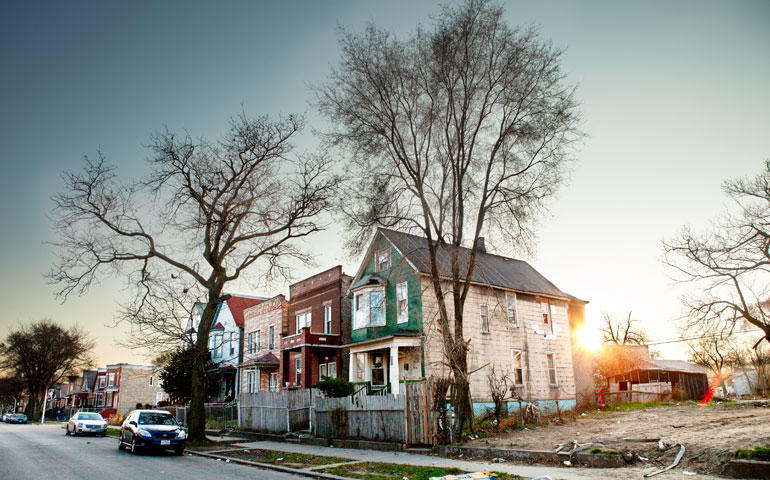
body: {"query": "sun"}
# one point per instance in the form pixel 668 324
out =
pixel 588 338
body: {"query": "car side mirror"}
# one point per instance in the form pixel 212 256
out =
pixel 132 423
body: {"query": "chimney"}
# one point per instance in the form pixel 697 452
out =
pixel 481 247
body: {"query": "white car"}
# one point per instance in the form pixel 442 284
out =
pixel 87 422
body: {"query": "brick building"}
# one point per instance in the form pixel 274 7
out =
pixel 319 313
pixel 263 325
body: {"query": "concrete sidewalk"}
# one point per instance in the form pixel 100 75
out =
pixel 529 471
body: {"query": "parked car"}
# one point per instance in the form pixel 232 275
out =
pixel 4 418
pixel 88 423
pixel 155 429
pixel 17 418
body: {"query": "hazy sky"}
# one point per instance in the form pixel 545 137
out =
pixel 674 94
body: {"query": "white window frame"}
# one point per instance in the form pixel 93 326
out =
pixel 512 314
pixel 272 382
pixel 328 317
pixel 307 320
pixel 251 346
pixel 385 256
pixel 548 369
pixel 298 370
pixel 232 346
pixel 218 342
pixel 484 317
pixel 259 340
pixel 520 353
pixel 102 381
pixel 325 370
pixel 381 292
pixel 271 337
pixel 547 310
pixel 151 380
pixel 252 381
pixel 402 295
pixel 111 381
pixel 362 308
pixel 158 397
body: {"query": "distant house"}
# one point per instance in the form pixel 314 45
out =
pixel 658 378
pixel 100 385
pixel 311 346
pixel 263 325
pixel 127 385
pixel 225 340
pixel 514 318
pixel 80 393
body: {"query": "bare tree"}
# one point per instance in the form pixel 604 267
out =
pixel 500 388
pixel 729 267
pixel 457 131
pixel 622 332
pixel 713 352
pixel 206 214
pixel 43 353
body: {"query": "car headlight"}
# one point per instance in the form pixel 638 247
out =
pixel 181 435
pixel 144 433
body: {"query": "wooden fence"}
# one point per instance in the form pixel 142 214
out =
pixel 371 417
pixel 277 412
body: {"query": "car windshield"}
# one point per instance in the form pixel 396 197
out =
pixel 156 419
pixel 20 415
pixel 89 416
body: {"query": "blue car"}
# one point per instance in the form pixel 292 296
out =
pixel 17 418
pixel 152 429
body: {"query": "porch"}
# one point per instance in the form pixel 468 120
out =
pixel 308 356
pixel 383 364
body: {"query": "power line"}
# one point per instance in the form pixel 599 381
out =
pixel 708 335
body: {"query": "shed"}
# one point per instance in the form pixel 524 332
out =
pixel 691 381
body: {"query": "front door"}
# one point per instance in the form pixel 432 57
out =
pixel 379 373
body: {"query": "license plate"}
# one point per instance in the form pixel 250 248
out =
pixel 165 442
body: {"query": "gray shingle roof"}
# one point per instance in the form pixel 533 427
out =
pixel 490 269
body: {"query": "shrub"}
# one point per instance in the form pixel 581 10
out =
pixel 115 419
pixel 336 387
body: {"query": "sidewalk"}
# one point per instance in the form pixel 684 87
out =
pixel 404 458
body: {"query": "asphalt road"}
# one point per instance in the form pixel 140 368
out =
pixel 44 452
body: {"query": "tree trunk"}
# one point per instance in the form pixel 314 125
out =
pixel 196 419
pixel 461 390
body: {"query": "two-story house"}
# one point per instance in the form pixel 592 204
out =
pixel 226 340
pixel 311 347
pixel 513 318
pixel 127 385
pixel 263 325
pixel 100 384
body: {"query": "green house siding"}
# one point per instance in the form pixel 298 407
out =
pixel 399 271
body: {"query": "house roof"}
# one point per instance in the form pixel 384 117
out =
pixel 677 366
pixel 238 303
pixel 490 269
pixel 218 326
pixel 266 360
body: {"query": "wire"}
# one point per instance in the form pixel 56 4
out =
pixel 708 335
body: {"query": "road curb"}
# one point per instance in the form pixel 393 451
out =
pixel 278 468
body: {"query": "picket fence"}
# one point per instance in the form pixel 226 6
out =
pixel 372 417
pixel 276 412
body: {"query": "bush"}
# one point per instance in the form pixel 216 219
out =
pixel 336 387
pixel 115 419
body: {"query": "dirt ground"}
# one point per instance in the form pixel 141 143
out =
pixel 710 436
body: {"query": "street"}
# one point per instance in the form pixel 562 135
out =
pixel 43 451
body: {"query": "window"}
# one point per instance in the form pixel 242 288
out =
pixel 251 343
pixel 327 370
pixel 272 382
pixel 360 318
pixel 512 309
pixel 252 381
pixel 218 340
pixel 378 369
pixel 151 380
pixel 382 260
pixel 328 318
pixel 547 315
pixel 518 367
pixel 270 337
pixel 376 308
pixel 402 302
pixel 297 370
pixel 158 397
pixel 259 340
pixel 551 366
pixel 101 382
pixel 111 383
pixel 302 321
pixel 232 344
pixel 484 311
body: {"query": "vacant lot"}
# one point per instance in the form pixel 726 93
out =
pixel 710 434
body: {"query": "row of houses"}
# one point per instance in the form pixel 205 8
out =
pixel 379 327
pixel 111 389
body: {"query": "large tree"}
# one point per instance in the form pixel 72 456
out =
pixel 207 213
pixel 41 354
pixel 622 332
pixel 457 131
pixel 727 268
pixel 176 376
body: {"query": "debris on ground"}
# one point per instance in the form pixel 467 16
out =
pixel 676 460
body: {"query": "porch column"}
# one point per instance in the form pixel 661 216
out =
pixel 283 367
pixel 307 367
pixel 338 361
pixel 394 369
pixel 352 372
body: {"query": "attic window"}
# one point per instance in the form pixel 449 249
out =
pixel 382 260
pixel 547 315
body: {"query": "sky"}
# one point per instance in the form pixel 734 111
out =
pixel 674 96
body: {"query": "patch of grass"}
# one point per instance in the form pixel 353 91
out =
pixel 597 451
pixel 507 476
pixel 391 471
pixel 113 432
pixel 626 407
pixel 287 459
pixel 758 453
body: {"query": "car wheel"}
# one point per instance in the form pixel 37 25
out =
pixel 178 451
pixel 121 446
pixel 67 430
pixel 133 445
pixel 104 434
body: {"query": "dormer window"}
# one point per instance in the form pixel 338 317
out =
pixel 382 260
